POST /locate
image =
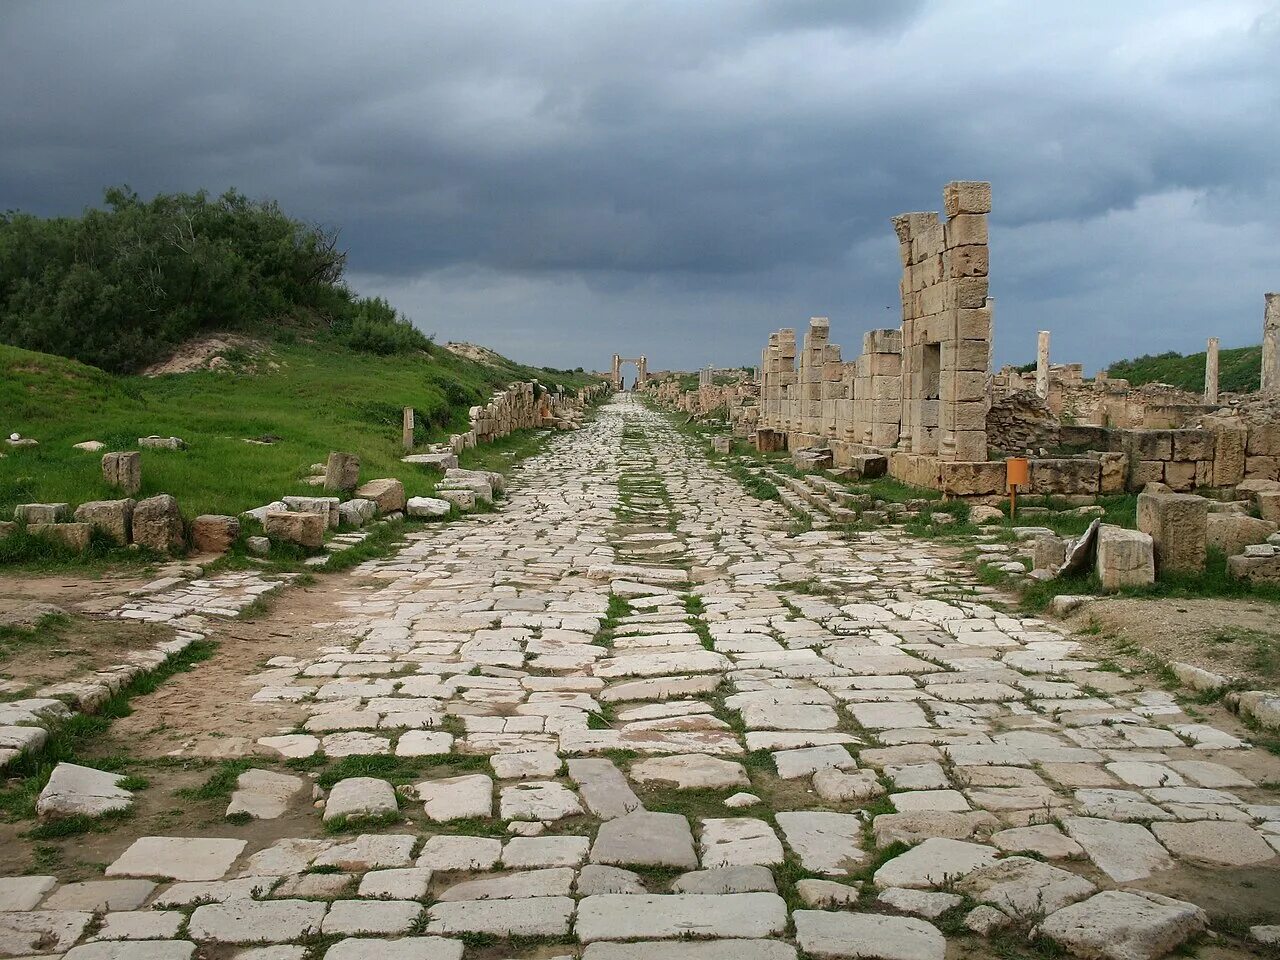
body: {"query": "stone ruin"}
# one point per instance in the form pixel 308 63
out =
pixel 922 397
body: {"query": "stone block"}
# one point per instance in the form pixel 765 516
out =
pixel 356 512
pixel 1048 553
pixel 1149 444
pixel 1180 475
pixel 42 512
pixel 1065 477
pixel 326 507
pixel 154 442
pixel 157 524
pixel 966 196
pixel 7 528
pixel 966 229
pixel 1261 468
pixel 427 507
pixel 73 536
pixel 965 479
pixel 969 261
pixel 970 445
pixel 1232 532
pixel 213 533
pixel 1193 445
pixel 1177 524
pixel 388 494
pixel 867 466
pixel 112 517
pixel 1113 473
pixel 304 529
pixel 123 470
pixel 1228 456
pixel 1255 569
pixel 1268 502
pixel 462 499
pixel 1264 440
pixel 342 471
pixel 1125 558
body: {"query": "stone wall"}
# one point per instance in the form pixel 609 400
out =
pixel 526 405
pixel 1021 422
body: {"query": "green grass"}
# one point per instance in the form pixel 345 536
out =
pixel 1239 369
pixel 321 396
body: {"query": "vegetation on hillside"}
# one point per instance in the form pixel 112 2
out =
pixel 1239 369
pixel 120 287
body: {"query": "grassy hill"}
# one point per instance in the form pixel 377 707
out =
pixel 313 392
pixel 1239 369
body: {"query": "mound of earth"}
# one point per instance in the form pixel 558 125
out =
pixel 475 352
pixel 206 353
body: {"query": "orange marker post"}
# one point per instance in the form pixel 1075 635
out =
pixel 1017 472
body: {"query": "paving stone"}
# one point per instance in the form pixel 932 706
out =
pixel 1124 925
pixel 552 882
pixel 1123 851
pixel 457 798
pixel 593 879
pixel 534 917
pixel 460 853
pixel 190 893
pixel 41 931
pixel 140 925
pixel 402 948
pixel 700 950
pixel 645 839
pixel 694 771
pixel 77 791
pixel 177 858
pixel 521 852
pixel 255 921
pixel 1045 839
pixel 1214 842
pixel 369 852
pixel 827 893
pixel 1025 888
pixel 839 786
pixel 934 863
pixel 401 883
pixel 370 917
pixel 746 879
pixel 533 763
pixel 828 843
pixel 538 800
pixel 127 950
pixel 264 795
pixel 424 743
pixel 360 797
pixel 804 761
pixel 866 935
pixel 914 827
pixel 674 916
pixel 922 903
pixel 738 841
pixel 604 789
pixel 99 896
pixel 23 893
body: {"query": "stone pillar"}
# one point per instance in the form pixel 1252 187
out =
pixel 1042 366
pixel 1211 371
pixel 616 375
pixel 406 431
pixel 642 372
pixel 1271 344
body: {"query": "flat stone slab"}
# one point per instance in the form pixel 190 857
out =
pixel 804 761
pixel 457 798
pixel 1214 842
pixel 177 858
pixel 398 883
pixel 23 893
pixel 402 948
pixel 738 841
pixel 41 931
pixel 1045 839
pixel 256 921
pixel 645 839
pixel 360 797
pixel 460 853
pixel 604 789
pixel 133 950
pixel 828 843
pixel 691 771
pixel 538 800
pixel 534 763
pixel 74 791
pixel 1123 851
pixel 100 896
pixel 705 950
pixel 867 935
pixel 549 882
pixel 566 851
pixel 934 863
pixel 1025 888
pixel 140 925
pixel 371 916
pixel 1123 925
pixel 676 915
pixel 263 794
pixel 533 917
pixel 748 879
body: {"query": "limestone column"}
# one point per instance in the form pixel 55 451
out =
pixel 1042 366
pixel 1211 371
pixel 1271 344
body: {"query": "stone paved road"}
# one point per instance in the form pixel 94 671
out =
pixel 651 722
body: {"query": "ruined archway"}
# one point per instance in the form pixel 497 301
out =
pixel 642 370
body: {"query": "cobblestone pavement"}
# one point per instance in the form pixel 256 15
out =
pixel 646 720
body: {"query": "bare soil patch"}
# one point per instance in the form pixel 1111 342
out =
pixel 62 647
pixel 206 353
pixel 1238 638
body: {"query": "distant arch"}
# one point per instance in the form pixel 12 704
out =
pixel 642 370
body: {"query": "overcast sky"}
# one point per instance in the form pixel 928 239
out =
pixel 562 180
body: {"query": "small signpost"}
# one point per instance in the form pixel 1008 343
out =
pixel 1016 473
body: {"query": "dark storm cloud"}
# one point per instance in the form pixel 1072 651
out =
pixel 561 179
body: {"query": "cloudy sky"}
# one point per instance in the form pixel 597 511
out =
pixel 560 179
